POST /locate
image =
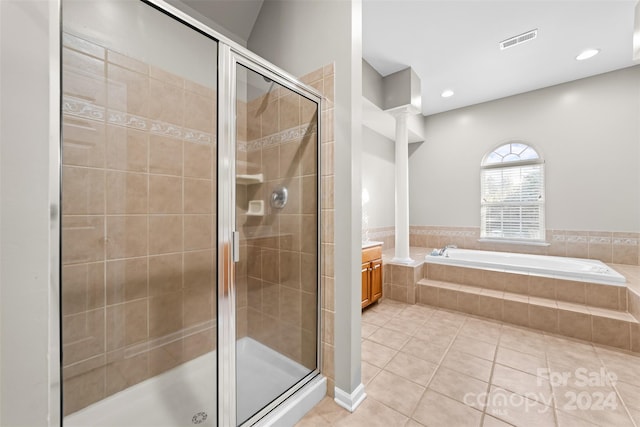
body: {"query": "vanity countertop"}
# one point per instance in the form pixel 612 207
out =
pixel 370 244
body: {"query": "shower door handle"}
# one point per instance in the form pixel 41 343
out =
pixel 236 246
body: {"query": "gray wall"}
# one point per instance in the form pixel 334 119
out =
pixel 372 84
pixel 588 132
pixel 300 37
pixel 378 178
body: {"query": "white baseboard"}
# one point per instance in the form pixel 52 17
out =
pixel 350 401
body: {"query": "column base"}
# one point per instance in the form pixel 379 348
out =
pixel 350 401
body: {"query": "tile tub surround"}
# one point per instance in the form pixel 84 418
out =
pixel 138 221
pixel 603 314
pixel 608 247
pixel 440 357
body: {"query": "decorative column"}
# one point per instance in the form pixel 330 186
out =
pixel 402 186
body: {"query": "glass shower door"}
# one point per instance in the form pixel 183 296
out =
pixel 138 217
pixel 277 222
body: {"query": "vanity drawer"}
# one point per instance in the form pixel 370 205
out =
pixel 369 254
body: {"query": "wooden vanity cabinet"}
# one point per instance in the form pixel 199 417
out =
pixel 371 275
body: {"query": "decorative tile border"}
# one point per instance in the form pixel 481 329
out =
pixel 279 138
pixel 598 240
pixel 80 108
pixel 451 233
pixel 625 241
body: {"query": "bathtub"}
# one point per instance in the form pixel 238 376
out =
pixel 584 270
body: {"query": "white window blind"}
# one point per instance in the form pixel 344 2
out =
pixel 512 204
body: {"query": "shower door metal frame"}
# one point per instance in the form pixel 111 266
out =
pixel 229 58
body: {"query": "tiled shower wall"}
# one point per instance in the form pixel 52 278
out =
pixel 138 226
pixel 277 289
pixel 608 247
pixel 277 307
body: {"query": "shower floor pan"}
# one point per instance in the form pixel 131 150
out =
pixel 186 395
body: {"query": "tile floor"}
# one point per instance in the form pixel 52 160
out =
pixel 425 366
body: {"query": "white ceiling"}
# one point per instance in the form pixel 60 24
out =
pixel 453 44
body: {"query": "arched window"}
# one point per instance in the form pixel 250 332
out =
pixel 512 193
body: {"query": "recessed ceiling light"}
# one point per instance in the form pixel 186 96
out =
pixel 586 54
pixel 447 93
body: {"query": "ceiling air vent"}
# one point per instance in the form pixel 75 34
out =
pixel 516 40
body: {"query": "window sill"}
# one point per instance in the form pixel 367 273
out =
pixel 515 242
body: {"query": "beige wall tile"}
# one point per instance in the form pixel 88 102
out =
pixel 602 296
pixel 571 291
pixel 165 194
pixel 198 231
pixel 199 112
pixel 124 372
pixel 468 302
pixel 198 303
pixel 515 312
pixel 199 269
pixel 166 102
pixel 543 318
pixel 83 288
pixel 611 332
pixel 165 234
pixel 126 324
pixel 625 254
pixel 494 280
pixel 574 324
pixel 83 191
pixel 290 269
pixel 127 149
pixel 198 196
pixel 290 305
pixel 543 287
pixel 83 390
pixel 428 295
pixel 308 163
pixel 198 160
pixel 516 283
pixel 165 314
pixel 83 335
pixel 128 91
pixel 165 274
pixel 83 239
pixel 448 298
pixel 126 236
pixel 270 115
pixel 126 280
pixel 83 142
pixel 165 155
pixel 289 111
pixel 127 193
pixel 490 307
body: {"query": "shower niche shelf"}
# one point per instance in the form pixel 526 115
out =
pixel 256 208
pixel 249 179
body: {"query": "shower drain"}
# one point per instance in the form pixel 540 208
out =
pixel 199 418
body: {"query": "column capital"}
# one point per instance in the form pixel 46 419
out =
pixel 405 110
